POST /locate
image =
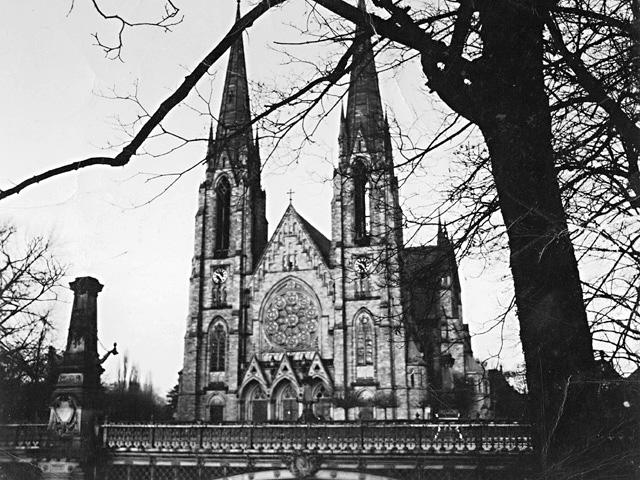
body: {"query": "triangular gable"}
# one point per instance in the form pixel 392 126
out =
pixel 311 241
pixel 285 372
pixel 254 372
pixel 317 370
pixel 322 243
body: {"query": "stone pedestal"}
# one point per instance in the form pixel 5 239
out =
pixel 75 401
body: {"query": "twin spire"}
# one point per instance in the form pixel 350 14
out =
pixel 235 112
pixel 234 134
pixel 364 104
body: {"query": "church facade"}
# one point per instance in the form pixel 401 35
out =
pixel 353 327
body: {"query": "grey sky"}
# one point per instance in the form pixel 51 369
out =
pixel 99 217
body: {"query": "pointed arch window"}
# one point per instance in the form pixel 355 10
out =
pixel 362 200
pixel 217 348
pixel 257 405
pixel 223 217
pixel 322 402
pixel 287 404
pixel 364 340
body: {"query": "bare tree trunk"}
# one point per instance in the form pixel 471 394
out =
pixel 517 128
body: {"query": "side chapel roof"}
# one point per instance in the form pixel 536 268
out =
pixel 430 261
pixel 422 270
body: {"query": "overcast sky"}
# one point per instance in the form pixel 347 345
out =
pixel 107 222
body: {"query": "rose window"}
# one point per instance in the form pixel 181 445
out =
pixel 291 320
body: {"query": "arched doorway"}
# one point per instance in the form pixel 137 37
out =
pixel 286 405
pixel 216 409
pixel 256 404
pixel 366 400
pixel 323 402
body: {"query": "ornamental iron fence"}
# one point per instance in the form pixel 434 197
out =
pixel 331 438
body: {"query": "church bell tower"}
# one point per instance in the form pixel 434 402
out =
pixel 230 234
pixel 365 206
pixel 366 232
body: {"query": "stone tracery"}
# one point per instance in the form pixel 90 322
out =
pixel 291 317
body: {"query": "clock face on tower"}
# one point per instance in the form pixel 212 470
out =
pixel 219 275
pixel 362 265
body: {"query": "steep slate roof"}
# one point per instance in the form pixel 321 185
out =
pixel 430 262
pixel 417 260
pixel 322 242
pixel 422 269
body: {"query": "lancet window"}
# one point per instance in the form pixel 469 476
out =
pixel 217 348
pixel 362 200
pixel 364 339
pixel 223 217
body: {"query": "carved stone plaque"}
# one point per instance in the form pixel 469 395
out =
pixel 71 378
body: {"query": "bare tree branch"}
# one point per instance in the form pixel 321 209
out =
pixel 168 19
pixel 163 110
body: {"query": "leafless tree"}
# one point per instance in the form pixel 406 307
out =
pixel 130 400
pixel 490 62
pixel 595 170
pixel 29 278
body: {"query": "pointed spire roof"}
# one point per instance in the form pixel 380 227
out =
pixel 443 238
pixel 364 104
pixel 387 136
pixel 343 124
pixel 235 112
pixel 210 144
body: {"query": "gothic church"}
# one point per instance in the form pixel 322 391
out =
pixel 353 327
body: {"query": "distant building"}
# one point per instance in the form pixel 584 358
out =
pixel 357 326
pixel 506 401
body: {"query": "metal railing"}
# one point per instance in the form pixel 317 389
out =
pixel 23 436
pixel 436 438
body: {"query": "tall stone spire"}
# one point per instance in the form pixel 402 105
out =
pixel 366 204
pixel 233 132
pixel 230 235
pixel 364 104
